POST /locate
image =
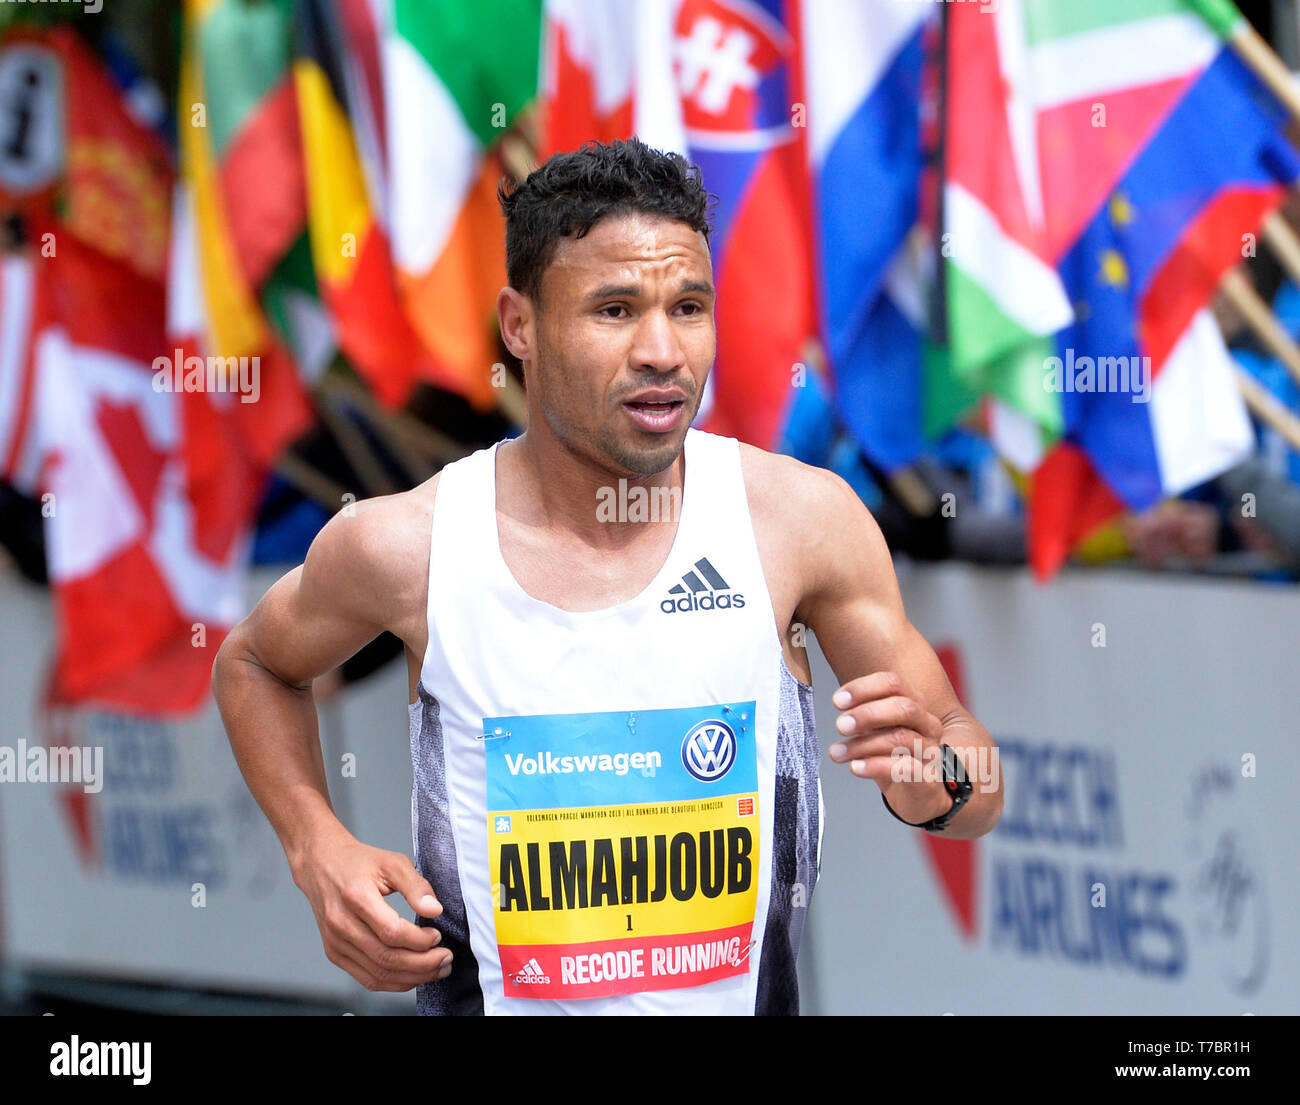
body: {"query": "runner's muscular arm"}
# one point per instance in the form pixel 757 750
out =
pixel 893 689
pixel 348 590
pixel 365 572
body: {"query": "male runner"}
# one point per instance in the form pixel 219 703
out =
pixel 617 802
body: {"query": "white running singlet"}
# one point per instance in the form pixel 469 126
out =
pixel 619 809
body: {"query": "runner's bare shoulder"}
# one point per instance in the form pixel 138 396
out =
pixel 371 560
pixel 788 495
pixel 806 518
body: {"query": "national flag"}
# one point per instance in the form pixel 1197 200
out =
pixel 1004 298
pixel 716 81
pixel 863 66
pixel 224 477
pixel 1103 76
pixel 117 181
pixel 588 75
pixel 109 183
pixel 879 378
pixel 1143 271
pixel 349 249
pixel 238 123
pixel 1068 95
pixel 739 66
pixel 456 77
pixel 33 153
pixel 144 588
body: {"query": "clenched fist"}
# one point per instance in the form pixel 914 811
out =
pixel 346 882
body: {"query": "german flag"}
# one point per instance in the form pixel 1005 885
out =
pixel 350 251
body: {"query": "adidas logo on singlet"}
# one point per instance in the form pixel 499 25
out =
pixel 693 593
pixel 531 973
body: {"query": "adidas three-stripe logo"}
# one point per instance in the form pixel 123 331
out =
pixel 531 972
pixel 701 589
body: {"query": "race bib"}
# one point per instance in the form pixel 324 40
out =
pixel 624 848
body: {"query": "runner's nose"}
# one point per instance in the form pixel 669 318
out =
pixel 656 346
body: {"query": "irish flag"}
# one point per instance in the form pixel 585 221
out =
pixel 456 77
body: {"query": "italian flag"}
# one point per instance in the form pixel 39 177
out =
pixel 456 77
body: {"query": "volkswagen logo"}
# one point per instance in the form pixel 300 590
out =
pixel 709 750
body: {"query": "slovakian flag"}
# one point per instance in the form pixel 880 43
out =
pixel 144 584
pixel 863 66
pixel 739 71
pixel 1148 390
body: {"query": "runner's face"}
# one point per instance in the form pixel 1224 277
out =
pixel 625 341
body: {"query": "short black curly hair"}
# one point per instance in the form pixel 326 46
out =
pixel 571 192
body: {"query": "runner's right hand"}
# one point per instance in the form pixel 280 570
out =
pixel 346 882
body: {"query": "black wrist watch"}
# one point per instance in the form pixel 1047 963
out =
pixel 955 782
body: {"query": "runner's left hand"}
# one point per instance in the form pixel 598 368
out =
pixel 882 712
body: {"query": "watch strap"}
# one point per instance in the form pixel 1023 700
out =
pixel 955 782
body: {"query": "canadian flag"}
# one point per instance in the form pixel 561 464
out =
pixel 146 558
pixel 608 72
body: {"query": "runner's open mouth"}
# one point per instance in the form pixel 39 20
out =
pixel 655 408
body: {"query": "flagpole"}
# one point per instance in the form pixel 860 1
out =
pixel 415 463
pixel 1283 243
pixel 1248 45
pixel 1267 409
pixel 315 485
pixel 1236 288
pixel 401 427
pixel 360 456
